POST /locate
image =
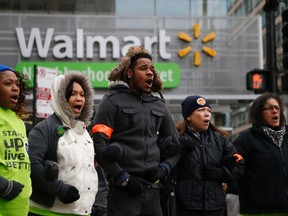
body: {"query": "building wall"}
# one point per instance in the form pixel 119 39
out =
pixel 220 79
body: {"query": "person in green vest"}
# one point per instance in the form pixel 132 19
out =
pixel 15 182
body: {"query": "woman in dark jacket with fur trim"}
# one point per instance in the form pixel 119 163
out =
pixel 263 189
pixel 200 174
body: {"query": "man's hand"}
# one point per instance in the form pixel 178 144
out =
pixel 154 173
pixel 134 186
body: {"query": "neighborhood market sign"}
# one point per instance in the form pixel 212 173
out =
pixel 98 72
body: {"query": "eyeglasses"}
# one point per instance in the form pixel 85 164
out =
pixel 271 108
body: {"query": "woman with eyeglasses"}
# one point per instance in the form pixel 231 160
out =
pixel 263 189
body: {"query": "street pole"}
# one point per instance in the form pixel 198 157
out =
pixel 34 95
pixel 271 62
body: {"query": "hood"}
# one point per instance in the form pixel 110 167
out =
pixel 116 83
pixel 60 105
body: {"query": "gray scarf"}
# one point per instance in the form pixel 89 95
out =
pixel 275 136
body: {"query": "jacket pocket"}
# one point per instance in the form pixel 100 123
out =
pixel 157 118
pixel 129 117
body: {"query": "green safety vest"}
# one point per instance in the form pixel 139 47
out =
pixel 14 162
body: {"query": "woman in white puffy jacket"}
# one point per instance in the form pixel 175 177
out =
pixel 61 151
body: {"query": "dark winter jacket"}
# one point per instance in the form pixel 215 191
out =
pixel 49 152
pixel 137 123
pixel 264 186
pixel 194 193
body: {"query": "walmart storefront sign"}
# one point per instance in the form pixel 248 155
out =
pixel 98 72
pixel 62 45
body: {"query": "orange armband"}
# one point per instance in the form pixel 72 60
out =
pixel 239 157
pixel 101 128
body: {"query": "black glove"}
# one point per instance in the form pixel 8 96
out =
pixel 229 161
pixel 154 173
pixel 187 143
pixel 51 170
pixel 134 186
pixel 113 152
pixel 9 189
pixel 211 173
pixel 70 196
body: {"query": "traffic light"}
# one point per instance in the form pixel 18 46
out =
pixel 257 80
pixel 282 81
pixel 284 16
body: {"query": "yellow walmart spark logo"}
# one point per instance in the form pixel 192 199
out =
pixel 197 57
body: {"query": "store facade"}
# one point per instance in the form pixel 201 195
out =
pixel 93 44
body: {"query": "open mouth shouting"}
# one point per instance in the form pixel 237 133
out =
pixel 14 98
pixel 206 122
pixel 149 83
pixel 77 109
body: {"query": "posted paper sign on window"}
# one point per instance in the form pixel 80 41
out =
pixel 45 77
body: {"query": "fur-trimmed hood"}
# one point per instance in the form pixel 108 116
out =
pixel 60 105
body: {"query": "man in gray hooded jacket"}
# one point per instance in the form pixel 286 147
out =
pixel 130 128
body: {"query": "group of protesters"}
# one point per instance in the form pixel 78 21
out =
pixel 151 165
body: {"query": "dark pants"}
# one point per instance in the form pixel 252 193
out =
pixel 200 213
pixel 120 203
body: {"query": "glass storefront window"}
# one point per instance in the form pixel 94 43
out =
pixel 197 7
pixel 172 8
pixel 59 6
pixel 135 8
pixel 217 8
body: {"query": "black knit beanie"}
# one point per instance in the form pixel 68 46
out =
pixel 191 103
